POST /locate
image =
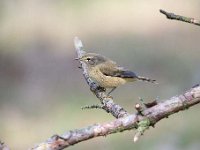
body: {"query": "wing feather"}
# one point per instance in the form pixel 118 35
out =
pixel 111 69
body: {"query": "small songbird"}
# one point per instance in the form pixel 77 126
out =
pixel 107 74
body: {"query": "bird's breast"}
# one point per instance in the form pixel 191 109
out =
pixel 105 81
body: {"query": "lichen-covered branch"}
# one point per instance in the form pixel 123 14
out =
pixel 141 120
pixel 180 18
pixel 149 117
pixel 107 102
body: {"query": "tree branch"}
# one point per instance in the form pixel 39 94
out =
pixel 141 120
pixel 108 105
pixel 152 115
pixel 180 18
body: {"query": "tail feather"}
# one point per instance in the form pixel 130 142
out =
pixel 146 79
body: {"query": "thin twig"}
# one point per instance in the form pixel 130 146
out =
pixel 180 18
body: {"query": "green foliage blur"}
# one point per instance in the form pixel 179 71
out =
pixel 42 89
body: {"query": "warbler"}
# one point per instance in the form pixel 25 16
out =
pixel 107 74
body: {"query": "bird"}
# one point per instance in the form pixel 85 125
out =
pixel 107 73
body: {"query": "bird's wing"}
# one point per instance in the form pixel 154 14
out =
pixel 126 74
pixel 113 70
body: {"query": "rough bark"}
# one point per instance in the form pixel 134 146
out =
pixel 149 117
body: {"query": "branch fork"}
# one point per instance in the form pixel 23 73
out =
pixel 147 115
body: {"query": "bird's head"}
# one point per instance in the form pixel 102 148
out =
pixel 92 59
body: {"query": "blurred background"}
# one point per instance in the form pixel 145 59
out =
pixel 42 89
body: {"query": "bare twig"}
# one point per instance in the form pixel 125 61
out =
pixel 180 18
pixel 107 102
pixel 150 117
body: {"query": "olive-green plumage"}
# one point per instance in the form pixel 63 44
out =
pixel 106 73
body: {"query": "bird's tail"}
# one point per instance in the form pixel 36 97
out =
pixel 146 79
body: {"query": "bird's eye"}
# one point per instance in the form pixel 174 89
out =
pixel 88 59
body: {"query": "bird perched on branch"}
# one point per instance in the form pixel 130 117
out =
pixel 107 74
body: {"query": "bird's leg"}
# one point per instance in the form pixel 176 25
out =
pixel 111 91
pixel 101 88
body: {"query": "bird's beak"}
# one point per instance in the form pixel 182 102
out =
pixel 76 58
pixel 80 59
